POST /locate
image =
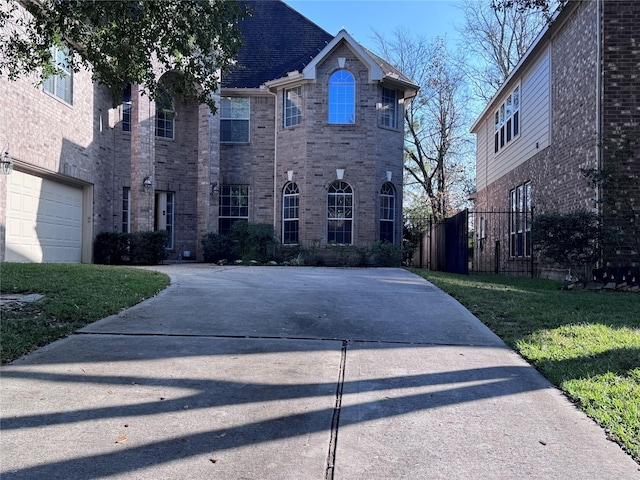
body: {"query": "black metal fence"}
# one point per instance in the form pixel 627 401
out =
pixel 493 242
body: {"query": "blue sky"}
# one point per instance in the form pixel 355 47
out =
pixel 429 18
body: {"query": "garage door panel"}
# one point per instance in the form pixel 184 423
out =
pixel 44 220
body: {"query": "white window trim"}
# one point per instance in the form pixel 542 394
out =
pixel 383 115
pixel 285 219
pixel 67 75
pixel 355 96
pixel 350 219
pixel 169 116
pixel 501 119
pixel 247 119
pixel 287 119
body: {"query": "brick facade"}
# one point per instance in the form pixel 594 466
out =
pixel 556 173
pixel 84 144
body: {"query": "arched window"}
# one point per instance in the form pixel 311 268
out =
pixel 387 213
pixel 290 213
pixel 339 213
pixel 342 97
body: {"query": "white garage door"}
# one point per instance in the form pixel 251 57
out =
pixel 44 220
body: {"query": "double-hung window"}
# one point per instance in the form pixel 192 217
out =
pixel 60 84
pixel 507 121
pixel 342 98
pixel 234 206
pixel 520 221
pixel 339 213
pixel 290 213
pixel 389 108
pixel 234 119
pixel 165 115
pixel 292 106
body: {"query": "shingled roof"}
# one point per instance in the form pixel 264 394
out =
pixel 278 40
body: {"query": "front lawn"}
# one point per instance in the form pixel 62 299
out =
pixel 74 295
pixel 586 343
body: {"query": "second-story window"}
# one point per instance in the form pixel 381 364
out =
pixel 126 109
pixel 389 108
pixel 60 84
pixel 234 119
pixel 292 106
pixel 342 98
pixel 507 121
pixel 165 115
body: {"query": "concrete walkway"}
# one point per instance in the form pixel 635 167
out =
pixel 292 373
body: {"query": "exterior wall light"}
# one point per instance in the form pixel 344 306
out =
pixel 147 183
pixel 6 162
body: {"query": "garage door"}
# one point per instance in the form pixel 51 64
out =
pixel 44 220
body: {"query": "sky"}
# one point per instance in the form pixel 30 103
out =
pixel 428 18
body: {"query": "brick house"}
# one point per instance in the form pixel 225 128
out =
pixel 308 137
pixel 571 105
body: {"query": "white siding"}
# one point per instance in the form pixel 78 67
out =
pixel 535 124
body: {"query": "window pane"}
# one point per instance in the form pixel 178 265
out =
pixel 292 106
pixel 342 98
pixel 388 112
pixel 339 213
pixel 234 124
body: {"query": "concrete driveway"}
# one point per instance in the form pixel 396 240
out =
pixel 292 373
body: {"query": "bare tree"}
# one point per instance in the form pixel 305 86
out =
pixel 496 36
pixel 437 143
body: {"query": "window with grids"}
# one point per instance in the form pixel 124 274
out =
pixel 389 108
pixel 126 209
pixel 234 119
pixel 342 98
pixel 126 109
pixel 292 106
pixel 60 84
pixel 234 206
pixel 507 121
pixel 165 115
pixel 520 221
pixel 290 213
pixel 387 213
pixel 340 213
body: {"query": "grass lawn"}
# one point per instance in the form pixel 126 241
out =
pixel 74 295
pixel 586 343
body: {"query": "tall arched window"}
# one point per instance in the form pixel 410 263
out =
pixel 290 213
pixel 339 213
pixel 387 213
pixel 342 97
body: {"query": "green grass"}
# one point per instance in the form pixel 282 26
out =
pixel 74 295
pixel 586 343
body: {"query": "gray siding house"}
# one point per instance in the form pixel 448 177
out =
pixel 571 105
pixel 308 137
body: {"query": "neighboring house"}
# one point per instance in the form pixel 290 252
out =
pixel 571 105
pixel 308 137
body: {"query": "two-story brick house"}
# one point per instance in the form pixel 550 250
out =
pixel 308 137
pixel 571 105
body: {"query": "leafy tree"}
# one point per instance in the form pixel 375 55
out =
pixel 436 147
pixel 123 42
pixel 545 6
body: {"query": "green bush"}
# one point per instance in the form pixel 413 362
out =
pixel 111 248
pixel 571 240
pixel 385 254
pixel 216 247
pixel 148 248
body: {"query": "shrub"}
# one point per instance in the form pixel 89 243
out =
pixel 148 248
pixel 385 254
pixel 261 242
pixel 570 239
pixel 216 247
pixel 111 248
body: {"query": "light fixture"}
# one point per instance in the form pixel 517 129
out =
pixel 340 173
pixel 147 183
pixel 215 189
pixel 6 162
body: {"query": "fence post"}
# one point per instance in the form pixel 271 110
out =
pixel 531 240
